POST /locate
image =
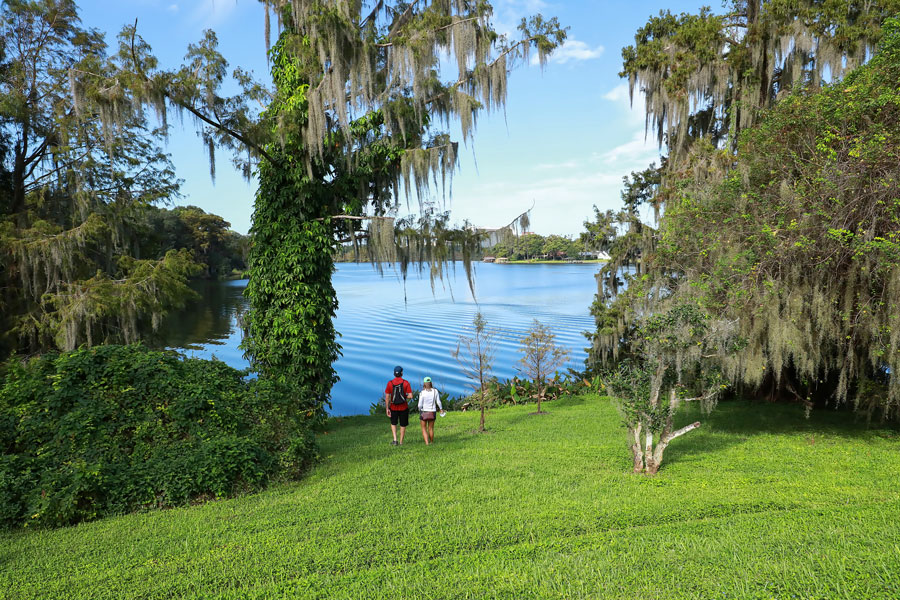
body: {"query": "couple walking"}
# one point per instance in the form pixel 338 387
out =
pixel 397 395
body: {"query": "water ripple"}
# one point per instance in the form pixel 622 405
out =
pixel 380 330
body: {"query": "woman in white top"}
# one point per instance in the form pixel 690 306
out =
pixel 429 404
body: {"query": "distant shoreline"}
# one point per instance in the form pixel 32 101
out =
pixel 511 262
pixel 548 262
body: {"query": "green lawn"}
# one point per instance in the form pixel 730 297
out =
pixel 758 503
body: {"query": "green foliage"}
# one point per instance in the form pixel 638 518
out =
pixel 71 189
pixel 112 429
pixel 788 230
pixel 760 503
pixel 798 241
pixel 708 76
pixel 535 246
pixel 622 292
pixel 216 248
pixel 678 351
pixel 290 335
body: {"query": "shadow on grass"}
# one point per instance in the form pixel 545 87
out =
pixel 734 422
pixel 697 448
pixel 747 418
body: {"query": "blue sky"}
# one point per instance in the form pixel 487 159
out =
pixel 566 140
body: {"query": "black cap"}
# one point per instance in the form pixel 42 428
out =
pixel 398 371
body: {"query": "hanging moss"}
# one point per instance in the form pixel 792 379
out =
pixel 712 75
pixel 794 239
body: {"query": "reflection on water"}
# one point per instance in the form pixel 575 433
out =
pixel 378 330
pixel 209 326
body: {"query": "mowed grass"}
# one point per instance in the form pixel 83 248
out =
pixel 758 503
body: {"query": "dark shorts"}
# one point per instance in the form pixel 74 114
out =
pixel 426 415
pixel 400 417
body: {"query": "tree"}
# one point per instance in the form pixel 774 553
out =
pixel 69 187
pixel 475 354
pixel 772 213
pixel 541 357
pixel 798 241
pixel 620 293
pixel 355 112
pixel 679 349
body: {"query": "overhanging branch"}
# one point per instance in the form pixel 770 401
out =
pixel 218 125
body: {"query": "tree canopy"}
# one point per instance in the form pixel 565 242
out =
pixel 790 229
pixel 72 191
pixel 710 75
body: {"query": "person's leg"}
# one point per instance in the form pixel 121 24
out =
pixel 403 417
pixel 395 419
pixel 424 431
pixel 431 431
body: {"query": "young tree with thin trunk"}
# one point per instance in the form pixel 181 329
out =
pixel 475 353
pixel 541 357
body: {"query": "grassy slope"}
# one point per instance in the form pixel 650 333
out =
pixel 758 503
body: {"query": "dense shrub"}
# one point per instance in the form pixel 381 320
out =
pixel 112 429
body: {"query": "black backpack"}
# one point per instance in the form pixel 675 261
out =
pixel 397 395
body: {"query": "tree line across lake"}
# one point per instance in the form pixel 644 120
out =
pixel 526 246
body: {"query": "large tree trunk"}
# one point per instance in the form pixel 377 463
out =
pixel 290 335
pixel 17 206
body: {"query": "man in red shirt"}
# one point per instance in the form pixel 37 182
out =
pixel 396 400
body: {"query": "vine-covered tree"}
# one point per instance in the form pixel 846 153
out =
pixel 355 116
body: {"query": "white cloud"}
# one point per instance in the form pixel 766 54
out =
pixel 636 153
pixel 572 50
pixel 558 166
pixel 575 50
pixel 633 112
pixel 172 8
pixel 617 94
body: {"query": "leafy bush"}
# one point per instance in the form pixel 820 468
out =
pixel 113 429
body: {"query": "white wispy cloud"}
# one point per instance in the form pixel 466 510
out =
pixel 559 166
pixel 575 51
pixel 634 154
pixel 633 111
pixel 172 8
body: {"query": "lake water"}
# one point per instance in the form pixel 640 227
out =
pixel 379 330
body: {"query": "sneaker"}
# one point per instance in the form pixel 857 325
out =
pixel 394 443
